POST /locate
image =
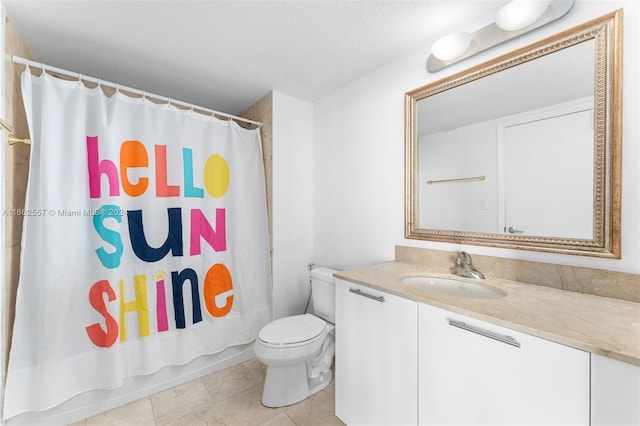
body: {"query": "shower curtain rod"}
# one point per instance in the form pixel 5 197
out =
pixel 29 63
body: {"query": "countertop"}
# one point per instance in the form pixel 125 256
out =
pixel 601 325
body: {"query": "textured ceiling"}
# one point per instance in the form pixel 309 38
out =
pixel 226 55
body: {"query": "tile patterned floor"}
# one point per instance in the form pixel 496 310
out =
pixel 226 398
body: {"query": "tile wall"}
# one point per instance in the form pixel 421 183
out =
pixel 16 171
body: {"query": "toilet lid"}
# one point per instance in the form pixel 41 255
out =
pixel 294 329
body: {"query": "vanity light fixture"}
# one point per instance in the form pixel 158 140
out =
pixel 519 14
pixel 514 19
pixel 451 46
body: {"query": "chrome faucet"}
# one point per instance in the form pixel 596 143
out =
pixel 464 267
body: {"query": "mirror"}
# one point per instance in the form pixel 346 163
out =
pixel 523 151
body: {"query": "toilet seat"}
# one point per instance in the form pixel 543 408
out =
pixel 293 331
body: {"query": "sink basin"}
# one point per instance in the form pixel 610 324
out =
pixel 454 287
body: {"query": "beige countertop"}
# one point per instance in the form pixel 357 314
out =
pixel 601 325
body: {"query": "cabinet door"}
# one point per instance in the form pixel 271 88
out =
pixel 376 357
pixel 468 377
pixel 615 392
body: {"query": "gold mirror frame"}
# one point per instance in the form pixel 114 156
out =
pixel 606 31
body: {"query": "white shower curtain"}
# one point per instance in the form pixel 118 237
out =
pixel 145 242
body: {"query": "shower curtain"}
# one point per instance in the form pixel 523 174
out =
pixel 145 242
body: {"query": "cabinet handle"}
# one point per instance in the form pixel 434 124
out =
pixel 370 296
pixel 500 337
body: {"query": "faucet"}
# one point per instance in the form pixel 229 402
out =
pixel 464 268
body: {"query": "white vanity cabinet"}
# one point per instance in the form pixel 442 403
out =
pixel 474 372
pixel 376 357
pixel 615 392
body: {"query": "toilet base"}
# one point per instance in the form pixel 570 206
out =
pixel 287 385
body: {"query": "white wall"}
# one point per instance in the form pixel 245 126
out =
pixel 292 203
pixel 359 155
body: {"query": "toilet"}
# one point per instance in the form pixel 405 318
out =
pixel 298 350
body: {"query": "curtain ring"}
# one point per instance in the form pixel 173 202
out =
pixel 117 88
pixel 144 95
pixel 80 78
pixel 44 68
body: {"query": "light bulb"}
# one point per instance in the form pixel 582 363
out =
pixel 519 14
pixel 451 46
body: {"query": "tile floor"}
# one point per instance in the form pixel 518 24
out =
pixel 227 397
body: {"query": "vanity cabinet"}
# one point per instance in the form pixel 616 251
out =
pixel 474 372
pixel 615 392
pixel 376 357
pixel 402 362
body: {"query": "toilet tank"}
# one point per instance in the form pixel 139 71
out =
pixel 323 293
